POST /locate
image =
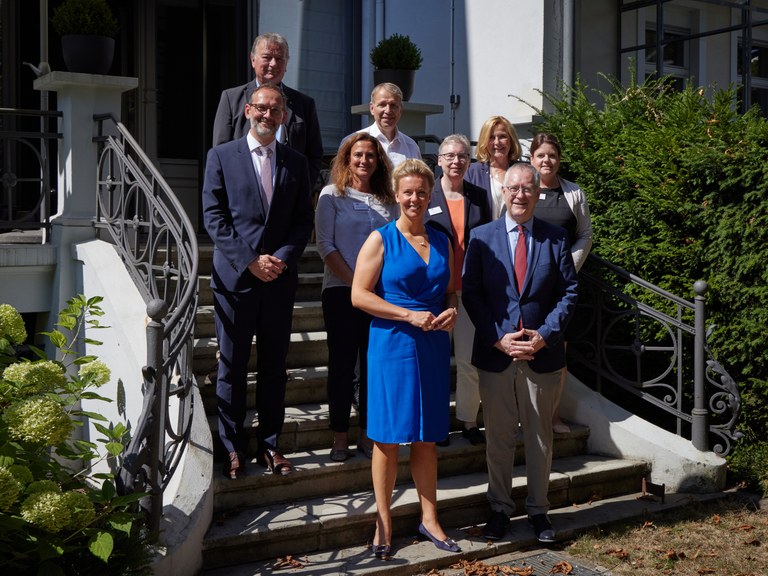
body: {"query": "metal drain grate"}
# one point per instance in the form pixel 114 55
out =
pixel 543 564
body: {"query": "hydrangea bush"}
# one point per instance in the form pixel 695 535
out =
pixel 56 517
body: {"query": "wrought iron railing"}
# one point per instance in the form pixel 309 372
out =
pixel 157 243
pixel 26 145
pixel 633 340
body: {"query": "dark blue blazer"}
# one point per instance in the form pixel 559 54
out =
pixel 237 221
pixel 476 210
pixel 493 303
pixel 301 124
pixel 479 174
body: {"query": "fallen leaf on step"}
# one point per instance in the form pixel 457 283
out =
pixel 562 567
pixel 287 562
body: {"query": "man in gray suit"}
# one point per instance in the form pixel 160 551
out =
pixel 300 130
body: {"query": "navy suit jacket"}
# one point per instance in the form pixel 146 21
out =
pixel 494 305
pixel 476 210
pixel 237 221
pixel 301 124
pixel 479 174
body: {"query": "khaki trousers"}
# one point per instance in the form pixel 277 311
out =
pixel 518 399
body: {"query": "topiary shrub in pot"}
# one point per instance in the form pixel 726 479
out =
pixel 396 59
pixel 87 29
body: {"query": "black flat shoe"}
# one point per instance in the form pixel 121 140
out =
pixel 474 435
pixel 448 544
pixel 340 454
pixel 382 551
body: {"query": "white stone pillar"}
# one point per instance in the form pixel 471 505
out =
pixel 79 97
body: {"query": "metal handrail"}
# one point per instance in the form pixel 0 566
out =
pixel 158 245
pixel 632 336
pixel 25 169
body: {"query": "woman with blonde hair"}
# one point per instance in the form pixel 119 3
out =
pixel 404 279
pixel 497 149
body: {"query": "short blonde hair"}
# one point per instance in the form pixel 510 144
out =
pixel 413 167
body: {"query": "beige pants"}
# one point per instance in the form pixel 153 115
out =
pixel 518 395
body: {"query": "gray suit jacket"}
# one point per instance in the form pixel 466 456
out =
pixel 302 126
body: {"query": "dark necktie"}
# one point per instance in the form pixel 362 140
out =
pixel 521 258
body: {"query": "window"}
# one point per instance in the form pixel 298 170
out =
pixel 758 68
pixel 675 55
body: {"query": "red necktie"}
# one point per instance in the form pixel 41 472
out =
pixel 521 258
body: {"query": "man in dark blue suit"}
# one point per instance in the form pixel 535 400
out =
pixel 300 130
pixel 257 210
pixel 518 347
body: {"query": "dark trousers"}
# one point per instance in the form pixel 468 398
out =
pixel 266 312
pixel 347 330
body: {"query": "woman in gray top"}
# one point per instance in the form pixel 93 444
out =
pixel 358 201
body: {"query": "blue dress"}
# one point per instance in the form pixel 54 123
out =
pixel 408 368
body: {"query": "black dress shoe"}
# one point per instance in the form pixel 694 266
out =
pixel 542 527
pixel 444 442
pixel 474 435
pixel 496 526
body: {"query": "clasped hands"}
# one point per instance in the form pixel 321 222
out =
pixel 267 267
pixel 521 345
pixel 428 321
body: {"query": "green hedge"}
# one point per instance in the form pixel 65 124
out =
pixel 676 183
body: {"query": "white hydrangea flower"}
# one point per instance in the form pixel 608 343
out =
pixel 12 324
pixel 9 489
pixel 36 377
pixel 95 372
pixel 39 420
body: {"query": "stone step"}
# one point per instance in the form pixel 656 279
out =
pixel 307 317
pixel 310 287
pixel 310 260
pixel 306 427
pixel 340 521
pixel 304 385
pixel 317 475
pixel 519 545
pixel 305 349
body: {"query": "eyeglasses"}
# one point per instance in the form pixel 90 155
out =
pixel 261 109
pixel 527 190
pixel 451 156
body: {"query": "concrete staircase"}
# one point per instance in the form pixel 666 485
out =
pixel 327 506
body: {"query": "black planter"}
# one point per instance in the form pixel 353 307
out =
pixel 88 54
pixel 403 79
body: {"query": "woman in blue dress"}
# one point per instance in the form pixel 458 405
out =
pixel 404 279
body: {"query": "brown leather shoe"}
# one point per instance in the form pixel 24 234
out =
pixel 276 462
pixel 235 467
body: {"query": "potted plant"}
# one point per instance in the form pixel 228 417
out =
pixel 396 59
pixel 87 29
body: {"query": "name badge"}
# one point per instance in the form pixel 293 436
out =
pixel 360 206
pixel 542 196
pixel 435 210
